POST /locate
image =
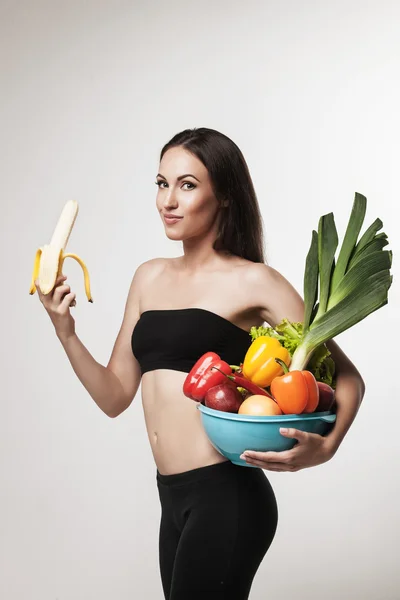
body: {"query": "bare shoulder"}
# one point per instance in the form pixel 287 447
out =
pixel 151 268
pixel 273 293
pixel 144 274
pixel 148 271
pixel 260 275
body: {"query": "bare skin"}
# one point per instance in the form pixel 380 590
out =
pixel 240 291
pixel 176 435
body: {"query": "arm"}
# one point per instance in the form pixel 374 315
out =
pixel 279 299
pixel 112 387
pixel 350 390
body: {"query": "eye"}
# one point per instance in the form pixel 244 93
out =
pixel 190 183
pixel 159 183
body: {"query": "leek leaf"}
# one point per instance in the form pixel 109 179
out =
pixel 310 280
pixel 350 239
pixel 367 297
pixel 327 244
pixel 372 263
pixel 368 236
pixel 378 243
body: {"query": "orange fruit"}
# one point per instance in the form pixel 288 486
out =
pixel 259 405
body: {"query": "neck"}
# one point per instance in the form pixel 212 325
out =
pixel 198 253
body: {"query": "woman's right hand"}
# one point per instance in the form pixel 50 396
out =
pixel 57 304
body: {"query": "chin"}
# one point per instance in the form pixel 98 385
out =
pixel 175 237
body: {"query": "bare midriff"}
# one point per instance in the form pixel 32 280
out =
pixel 173 421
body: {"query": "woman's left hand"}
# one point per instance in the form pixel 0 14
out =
pixel 311 450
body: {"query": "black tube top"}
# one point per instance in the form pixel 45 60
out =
pixel 176 338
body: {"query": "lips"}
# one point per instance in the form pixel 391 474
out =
pixel 171 218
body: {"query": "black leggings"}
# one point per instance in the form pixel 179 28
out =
pixel 217 523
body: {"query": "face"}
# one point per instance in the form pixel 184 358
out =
pixel 185 198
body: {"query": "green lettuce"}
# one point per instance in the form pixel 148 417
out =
pixel 289 335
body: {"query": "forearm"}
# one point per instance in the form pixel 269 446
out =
pixel 350 391
pixel 101 383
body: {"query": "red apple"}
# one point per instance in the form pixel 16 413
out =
pixel 224 396
pixel 326 397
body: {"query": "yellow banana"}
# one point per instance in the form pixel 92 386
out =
pixel 50 258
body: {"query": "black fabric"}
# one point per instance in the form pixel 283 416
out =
pixel 175 339
pixel 217 523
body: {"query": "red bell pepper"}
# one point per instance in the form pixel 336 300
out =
pixel 203 376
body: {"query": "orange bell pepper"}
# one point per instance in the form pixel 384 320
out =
pixel 296 391
pixel 259 364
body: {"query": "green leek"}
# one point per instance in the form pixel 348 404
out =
pixel 349 289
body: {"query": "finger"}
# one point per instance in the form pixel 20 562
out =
pixel 58 283
pixel 60 279
pixel 297 434
pixel 269 457
pixel 65 304
pixel 59 292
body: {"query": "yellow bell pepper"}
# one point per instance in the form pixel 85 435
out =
pixel 259 365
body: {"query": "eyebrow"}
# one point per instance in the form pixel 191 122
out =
pixel 180 177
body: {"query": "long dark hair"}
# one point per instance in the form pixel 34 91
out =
pixel 240 226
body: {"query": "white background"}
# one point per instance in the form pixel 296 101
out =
pixel 90 91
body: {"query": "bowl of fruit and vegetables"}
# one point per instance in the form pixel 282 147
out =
pixel 239 415
pixel 287 378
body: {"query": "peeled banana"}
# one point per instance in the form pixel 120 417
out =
pixel 50 258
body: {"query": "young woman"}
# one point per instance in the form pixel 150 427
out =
pixel 218 519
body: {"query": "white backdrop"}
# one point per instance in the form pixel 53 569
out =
pixel 90 91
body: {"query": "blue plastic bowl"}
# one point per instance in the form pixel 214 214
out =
pixel 231 434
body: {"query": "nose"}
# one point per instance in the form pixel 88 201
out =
pixel 170 200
